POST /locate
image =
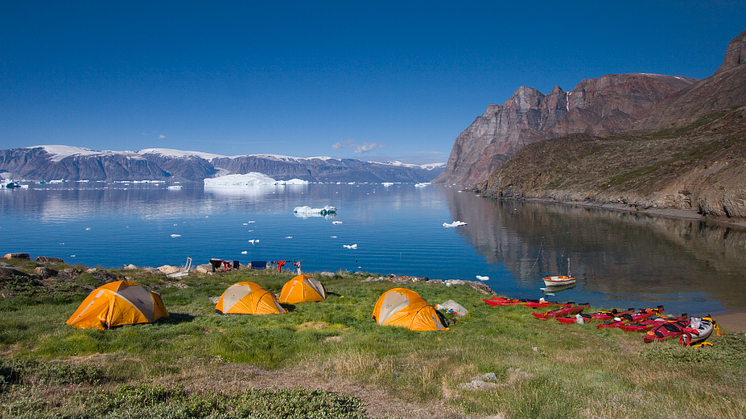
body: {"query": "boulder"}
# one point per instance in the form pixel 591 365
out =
pixel 45 272
pixel 69 274
pixel 11 273
pixel 47 259
pixel 168 269
pixel 22 256
pixel 105 277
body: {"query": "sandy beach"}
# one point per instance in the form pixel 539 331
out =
pixel 732 321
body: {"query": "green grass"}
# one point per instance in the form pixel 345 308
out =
pixel 173 368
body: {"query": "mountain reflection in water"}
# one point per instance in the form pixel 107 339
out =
pixel 619 258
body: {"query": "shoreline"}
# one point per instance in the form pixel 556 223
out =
pixel 677 213
pixel 734 321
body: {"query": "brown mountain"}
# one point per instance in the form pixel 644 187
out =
pixel 689 152
pixel 724 89
pixel 609 104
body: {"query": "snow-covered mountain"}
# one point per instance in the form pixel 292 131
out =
pixel 51 162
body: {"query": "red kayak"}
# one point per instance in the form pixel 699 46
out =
pixel 574 319
pixel 610 314
pixel 667 330
pixel 560 312
pixel 632 318
pixel 647 324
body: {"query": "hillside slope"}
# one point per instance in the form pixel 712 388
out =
pixel 701 166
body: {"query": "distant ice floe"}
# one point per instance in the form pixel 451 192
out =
pixel 421 185
pixel 350 246
pixel 387 184
pixel 336 222
pixel 454 224
pixel 232 181
pixel 253 241
pixel 244 253
pixel 175 235
pixel 175 187
pixel 483 278
pixel 249 179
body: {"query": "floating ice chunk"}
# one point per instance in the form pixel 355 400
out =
pixel 244 253
pixel 252 241
pixel 483 278
pixel 336 222
pixel 454 224
pixel 289 237
pixel 175 188
pixel 332 237
pixel 87 229
pixel 322 211
pixel 176 235
pixel 421 185
pixel 387 184
pixel 252 222
pixel 350 246
pixel 292 182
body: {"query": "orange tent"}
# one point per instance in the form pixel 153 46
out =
pixel 302 288
pixel 248 298
pixel 117 304
pixel 405 308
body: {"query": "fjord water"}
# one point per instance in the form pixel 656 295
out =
pixel 620 259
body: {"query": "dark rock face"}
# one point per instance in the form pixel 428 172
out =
pixel 595 106
pixel 735 55
pixel 11 273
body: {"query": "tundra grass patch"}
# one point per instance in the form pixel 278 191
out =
pixel 542 368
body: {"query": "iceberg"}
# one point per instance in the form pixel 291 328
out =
pixel 249 179
pixel 292 182
pixel 454 224
pixel 306 211
pixel 350 246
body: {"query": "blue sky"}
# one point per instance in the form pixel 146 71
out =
pixel 375 80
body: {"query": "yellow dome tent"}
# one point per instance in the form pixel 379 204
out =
pixel 248 298
pixel 405 308
pixel 117 304
pixel 302 288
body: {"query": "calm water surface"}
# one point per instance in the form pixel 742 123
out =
pixel 620 259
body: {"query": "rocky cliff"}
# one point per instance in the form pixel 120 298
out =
pixel 609 104
pixel 692 156
pixel 73 163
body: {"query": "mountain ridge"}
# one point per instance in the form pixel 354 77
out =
pixel 688 153
pixel 55 162
pixel 608 104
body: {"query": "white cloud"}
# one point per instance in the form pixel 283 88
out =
pixel 368 147
pixel 365 147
